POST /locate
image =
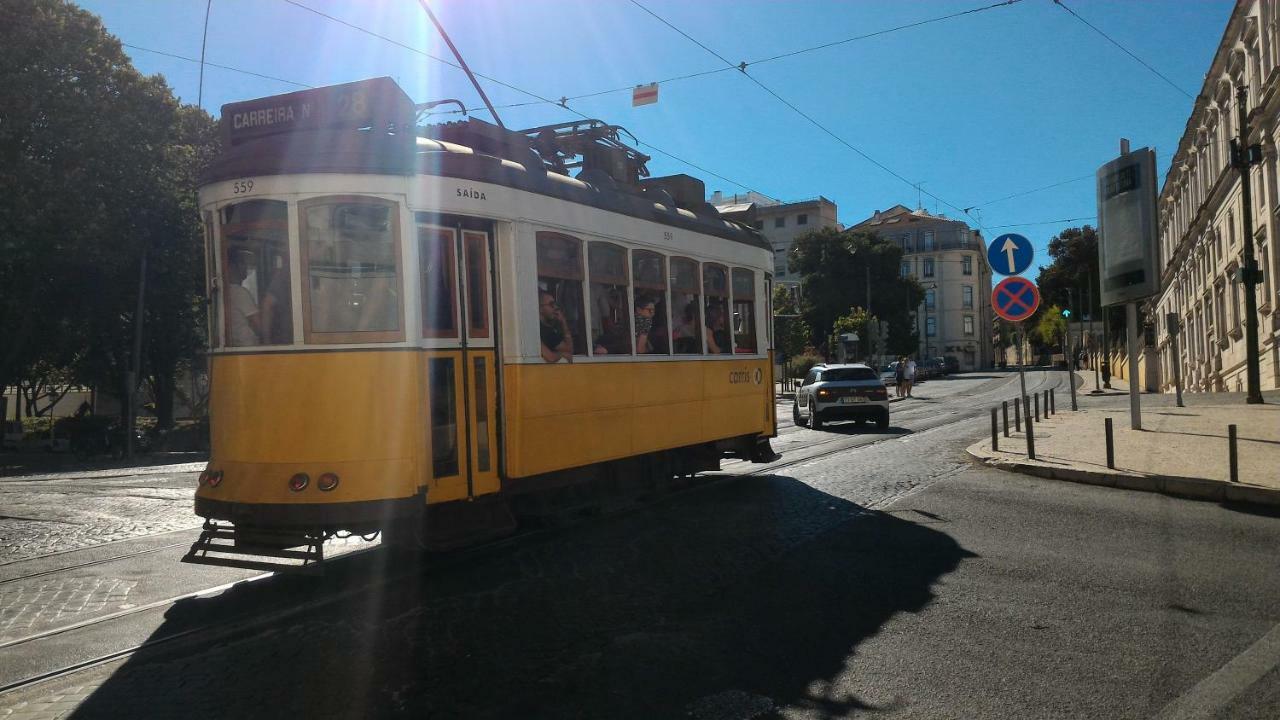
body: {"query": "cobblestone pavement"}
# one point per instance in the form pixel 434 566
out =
pixel 723 602
pixel 53 600
pixel 60 513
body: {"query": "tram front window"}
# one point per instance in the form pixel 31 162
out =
pixel 351 251
pixel 256 293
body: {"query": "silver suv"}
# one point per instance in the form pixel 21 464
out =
pixel 841 392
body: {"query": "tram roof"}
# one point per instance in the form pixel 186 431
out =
pixel 316 131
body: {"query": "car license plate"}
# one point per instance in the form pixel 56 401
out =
pixel 853 399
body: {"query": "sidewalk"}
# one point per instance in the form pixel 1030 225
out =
pixel 1179 451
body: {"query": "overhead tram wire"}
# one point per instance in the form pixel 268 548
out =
pixel 1045 222
pixel 743 68
pixel 216 65
pixel 782 56
pixel 544 100
pixel 1026 192
pixel 1124 49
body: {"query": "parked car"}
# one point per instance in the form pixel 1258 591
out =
pixel 952 363
pixel 841 392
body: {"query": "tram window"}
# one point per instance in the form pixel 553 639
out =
pixel 744 315
pixel 444 417
pixel 351 250
pixel 257 306
pixel 649 276
pixel 715 284
pixel 610 324
pixel 560 276
pixel 475 249
pixel 768 308
pixel 686 330
pixel 435 252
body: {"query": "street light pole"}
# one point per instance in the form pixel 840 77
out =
pixel 1242 158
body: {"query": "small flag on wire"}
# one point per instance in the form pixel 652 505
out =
pixel 644 95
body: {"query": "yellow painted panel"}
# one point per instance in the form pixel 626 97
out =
pixel 562 415
pixel 249 482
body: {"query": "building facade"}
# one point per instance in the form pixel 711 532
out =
pixel 949 260
pixel 1201 215
pixel 780 223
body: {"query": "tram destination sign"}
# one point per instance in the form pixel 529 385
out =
pixel 377 102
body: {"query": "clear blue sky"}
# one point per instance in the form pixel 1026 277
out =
pixel 976 108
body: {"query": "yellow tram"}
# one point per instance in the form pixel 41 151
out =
pixel 411 326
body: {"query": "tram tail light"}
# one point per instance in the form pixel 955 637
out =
pixel 215 479
pixel 327 481
pixel 299 482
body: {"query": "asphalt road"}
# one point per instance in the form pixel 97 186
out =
pixel 864 574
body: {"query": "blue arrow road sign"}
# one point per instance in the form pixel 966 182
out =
pixel 1010 254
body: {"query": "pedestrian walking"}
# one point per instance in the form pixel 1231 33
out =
pixel 900 374
pixel 909 376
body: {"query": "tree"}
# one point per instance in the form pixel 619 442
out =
pixel 1052 327
pixel 88 169
pixel 791 333
pixel 835 268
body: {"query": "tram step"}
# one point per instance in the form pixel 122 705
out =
pixel 256 544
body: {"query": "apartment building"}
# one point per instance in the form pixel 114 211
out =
pixel 949 261
pixel 781 223
pixel 1201 215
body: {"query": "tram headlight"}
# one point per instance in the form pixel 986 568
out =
pixel 327 481
pixel 299 482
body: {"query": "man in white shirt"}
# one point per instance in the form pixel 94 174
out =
pixel 909 375
pixel 243 318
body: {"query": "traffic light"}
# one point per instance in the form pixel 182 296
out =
pixel 1066 313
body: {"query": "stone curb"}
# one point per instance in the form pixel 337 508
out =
pixel 1184 487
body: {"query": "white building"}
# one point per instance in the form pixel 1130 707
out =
pixel 949 261
pixel 1200 210
pixel 780 223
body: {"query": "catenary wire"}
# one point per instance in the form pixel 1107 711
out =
pixel 1124 49
pixel 1027 192
pixel 216 65
pixel 748 63
pixel 801 113
pixel 1045 222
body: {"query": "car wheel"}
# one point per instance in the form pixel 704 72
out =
pixel 882 422
pixel 795 414
pixel 815 420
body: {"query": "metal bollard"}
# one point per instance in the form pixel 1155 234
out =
pixel 1231 454
pixel 1053 402
pixel 1047 409
pixel 995 432
pixel 1111 447
pixel 1004 410
pixel 1031 434
pixel 1017 415
pixel 1036 397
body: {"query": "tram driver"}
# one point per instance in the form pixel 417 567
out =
pixel 244 321
pixel 553 329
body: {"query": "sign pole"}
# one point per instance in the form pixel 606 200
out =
pixel 1131 334
pixel 1022 376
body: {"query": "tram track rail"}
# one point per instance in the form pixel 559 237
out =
pixel 381 575
pixel 87 563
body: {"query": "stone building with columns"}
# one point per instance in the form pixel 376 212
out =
pixel 1201 215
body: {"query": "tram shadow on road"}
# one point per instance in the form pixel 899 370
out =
pixel 743 593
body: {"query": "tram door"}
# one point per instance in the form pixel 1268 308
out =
pixel 456 260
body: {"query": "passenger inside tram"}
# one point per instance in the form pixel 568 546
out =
pixel 244 319
pixel 718 339
pixel 553 330
pixel 645 307
pixel 684 335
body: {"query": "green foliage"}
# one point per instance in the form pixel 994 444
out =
pixel 99 167
pixel 800 365
pixel 1052 326
pixel 1075 257
pixel 836 267
pixel 791 335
